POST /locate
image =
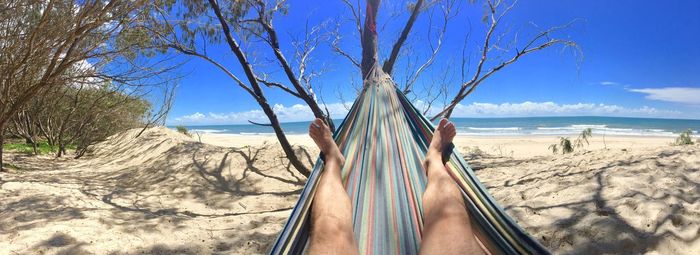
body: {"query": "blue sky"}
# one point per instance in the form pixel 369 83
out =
pixel 641 58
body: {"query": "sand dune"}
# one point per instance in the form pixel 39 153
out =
pixel 161 193
pixel 605 201
pixel 165 193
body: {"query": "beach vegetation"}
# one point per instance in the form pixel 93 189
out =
pixel 73 117
pixel 183 130
pixel 64 51
pixel 564 145
pixel 583 137
pixel 685 138
pixel 41 148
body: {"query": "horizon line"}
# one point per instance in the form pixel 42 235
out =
pixel 497 117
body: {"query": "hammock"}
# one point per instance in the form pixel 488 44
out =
pixel 384 139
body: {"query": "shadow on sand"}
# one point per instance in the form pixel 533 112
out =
pixel 185 184
pixel 607 217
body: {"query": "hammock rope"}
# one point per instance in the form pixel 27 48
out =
pixel 384 139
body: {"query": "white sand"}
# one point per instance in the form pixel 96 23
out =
pixel 510 146
pixel 165 193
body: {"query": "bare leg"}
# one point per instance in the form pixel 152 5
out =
pixel 331 212
pixel 448 229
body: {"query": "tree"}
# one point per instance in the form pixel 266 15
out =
pixel 246 27
pixel 43 43
pixel 489 60
pixel 245 22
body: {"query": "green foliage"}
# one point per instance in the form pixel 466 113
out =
pixel 42 148
pixel 75 117
pixel 685 138
pixel 183 130
pixel 564 145
pixel 583 137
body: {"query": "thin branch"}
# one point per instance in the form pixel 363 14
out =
pixel 479 76
pixel 279 85
pixel 336 48
pixel 389 63
pixel 355 14
pixel 447 16
pixel 259 124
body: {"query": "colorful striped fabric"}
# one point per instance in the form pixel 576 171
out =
pixel 384 140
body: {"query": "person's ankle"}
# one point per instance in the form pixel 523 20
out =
pixel 433 155
pixel 334 156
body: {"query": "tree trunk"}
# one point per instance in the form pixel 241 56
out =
pixel 258 93
pixel 369 38
pixel 286 146
pixel 2 145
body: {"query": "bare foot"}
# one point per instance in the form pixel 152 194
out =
pixel 322 136
pixel 442 137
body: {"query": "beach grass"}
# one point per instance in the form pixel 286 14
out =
pixel 42 148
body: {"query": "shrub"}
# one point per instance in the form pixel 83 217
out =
pixel 685 138
pixel 183 130
pixel 564 145
pixel 42 148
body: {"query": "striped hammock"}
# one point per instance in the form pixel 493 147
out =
pixel 384 139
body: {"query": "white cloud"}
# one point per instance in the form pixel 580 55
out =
pixel 297 112
pixel 685 95
pixel 300 112
pixel 609 83
pixel 197 116
pixel 529 109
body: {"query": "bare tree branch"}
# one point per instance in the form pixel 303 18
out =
pixel 259 124
pixel 355 14
pixel 279 85
pixel 447 9
pixel 533 45
pixel 265 21
pixel 247 68
pixel 335 44
pixel 389 63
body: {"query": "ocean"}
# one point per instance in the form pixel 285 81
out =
pixel 523 126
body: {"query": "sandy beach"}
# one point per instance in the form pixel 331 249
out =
pixel 166 193
pixel 503 146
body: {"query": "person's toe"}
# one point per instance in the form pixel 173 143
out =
pixel 319 122
pixel 451 129
pixel 442 124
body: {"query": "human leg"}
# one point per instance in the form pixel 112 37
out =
pixel 447 227
pixel 331 212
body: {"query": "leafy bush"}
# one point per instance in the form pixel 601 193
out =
pixel 42 148
pixel 685 138
pixel 564 145
pixel 183 130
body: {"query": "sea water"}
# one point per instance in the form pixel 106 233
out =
pixel 522 126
